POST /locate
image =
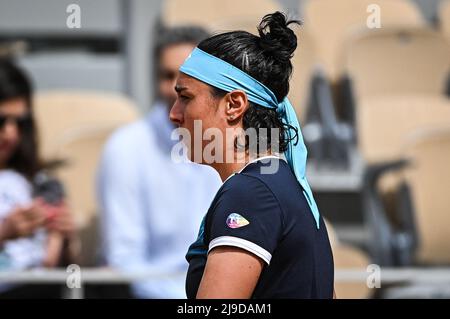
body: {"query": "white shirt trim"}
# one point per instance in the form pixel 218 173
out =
pixel 241 243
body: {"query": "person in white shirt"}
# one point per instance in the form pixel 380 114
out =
pixel 150 205
pixel 33 233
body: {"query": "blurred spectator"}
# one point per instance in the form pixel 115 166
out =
pixel 151 206
pixel 34 231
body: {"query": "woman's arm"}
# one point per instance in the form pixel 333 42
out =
pixel 230 273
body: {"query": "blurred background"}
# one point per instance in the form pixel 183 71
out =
pixel 370 84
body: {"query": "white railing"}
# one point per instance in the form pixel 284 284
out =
pixel 439 276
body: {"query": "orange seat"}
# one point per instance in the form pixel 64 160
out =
pixel 58 112
pixel 332 22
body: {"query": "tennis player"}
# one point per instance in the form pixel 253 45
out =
pixel 263 236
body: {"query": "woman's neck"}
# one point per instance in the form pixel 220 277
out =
pixel 225 170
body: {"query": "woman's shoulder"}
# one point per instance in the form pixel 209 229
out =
pixel 14 190
pixel 243 187
pixel 12 178
pixel 265 171
pixel 270 181
pixel 260 180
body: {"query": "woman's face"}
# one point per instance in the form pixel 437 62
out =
pixel 195 102
pixel 13 114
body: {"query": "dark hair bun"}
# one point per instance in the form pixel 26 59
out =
pixel 276 38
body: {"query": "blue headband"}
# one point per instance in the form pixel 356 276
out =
pixel 222 75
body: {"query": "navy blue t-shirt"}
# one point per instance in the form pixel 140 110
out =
pixel 267 215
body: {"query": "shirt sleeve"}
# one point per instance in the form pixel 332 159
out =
pixel 15 191
pixel 247 215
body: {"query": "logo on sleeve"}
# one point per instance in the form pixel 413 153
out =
pixel 236 221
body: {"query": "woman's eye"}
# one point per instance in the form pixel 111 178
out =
pixel 184 97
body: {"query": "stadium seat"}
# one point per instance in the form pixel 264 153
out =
pixel 397 60
pixel 384 124
pixel 398 78
pixel 332 22
pixel 57 112
pixel 428 177
pixel 206 12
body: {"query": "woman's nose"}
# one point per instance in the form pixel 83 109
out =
pixel 176 114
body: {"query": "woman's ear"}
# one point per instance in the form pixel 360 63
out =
pixel 237 104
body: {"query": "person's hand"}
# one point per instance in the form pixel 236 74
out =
pixel 22 222
pixel 63 242
pixel 59 219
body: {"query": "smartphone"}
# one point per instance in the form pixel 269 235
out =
pixel 49 189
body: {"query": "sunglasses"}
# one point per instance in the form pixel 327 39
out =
pixel 22 122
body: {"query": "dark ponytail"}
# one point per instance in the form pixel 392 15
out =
pixel 276 38
pixel 267 59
